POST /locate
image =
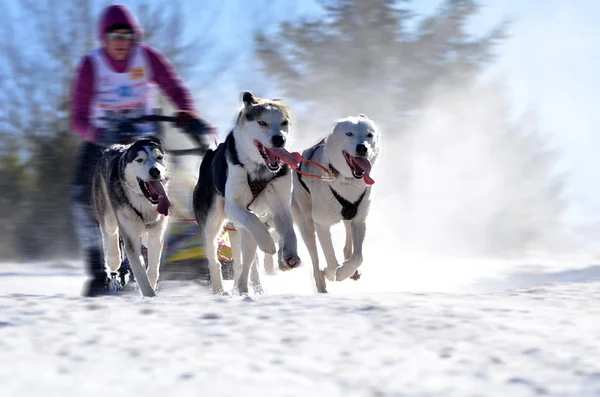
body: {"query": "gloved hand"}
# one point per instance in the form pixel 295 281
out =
pixel 193 124
pixel 198 129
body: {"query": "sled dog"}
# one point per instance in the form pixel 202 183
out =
pixel 349 152
pixel 247 180
pixel 129 200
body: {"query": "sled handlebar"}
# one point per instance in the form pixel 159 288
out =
pixel 137 120
pixel 202 145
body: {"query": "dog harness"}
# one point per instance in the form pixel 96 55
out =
pixel 310 155
pixel 349 209
pixel 220 173
pixel 256 187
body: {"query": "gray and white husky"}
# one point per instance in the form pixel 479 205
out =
pixel 349 152
pixel 247 180
pixel 129 199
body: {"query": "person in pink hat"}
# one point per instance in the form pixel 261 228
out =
pixel 118 79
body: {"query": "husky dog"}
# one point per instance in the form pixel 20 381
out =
pixel 247 180
pixel 129 200
pixel 349 152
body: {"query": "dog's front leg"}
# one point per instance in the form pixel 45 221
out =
pixel 269 260
pixel 112 251
pixel 243 218
pixel 359 228
pixel 131 236
pixel 248 257
pixel 348 243
pixel 302 214
pixel 324 234
pixel 280 200
pixel 155 247
pixel 236 251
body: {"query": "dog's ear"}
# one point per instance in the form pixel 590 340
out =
pixel 241 117
pixel 131 153
pixel 149 140
pixel 156 140
pixel 248 98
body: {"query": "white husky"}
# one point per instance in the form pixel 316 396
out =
pixel 349 152
pixel 248 181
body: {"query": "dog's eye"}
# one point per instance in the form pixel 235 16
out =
pixel 348 133
pixel 263 123
pixel 284 122
pixel 159 158
pixel 140 160
pixel 370 135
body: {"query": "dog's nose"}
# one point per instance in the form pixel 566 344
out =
pixel 278 140
pixel 361 149
pixel 154 173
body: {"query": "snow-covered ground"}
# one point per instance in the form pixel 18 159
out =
pixel 525 334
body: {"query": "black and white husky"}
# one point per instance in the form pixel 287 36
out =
pixel 349 151
pixel 247 180
pixel 129 199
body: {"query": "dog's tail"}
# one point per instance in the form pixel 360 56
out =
pixel 206 162
pixel 203 195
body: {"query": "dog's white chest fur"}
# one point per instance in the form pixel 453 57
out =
pixel 328 210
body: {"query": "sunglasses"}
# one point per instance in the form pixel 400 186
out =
pixel 120 36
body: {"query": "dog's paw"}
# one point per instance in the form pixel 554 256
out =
pixel 218 290
pixel 330 274
pixel 320 281
pixel 149 294
pixel 241 287
pixel 268 246
pixel 270 271
pixel 348 270
pixel 356 275
pixel 289 262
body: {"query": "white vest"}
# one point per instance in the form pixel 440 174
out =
pixel 129 94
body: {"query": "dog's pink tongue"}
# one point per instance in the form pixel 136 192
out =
pixel 292 159
pixel 365 165
pixel 156 187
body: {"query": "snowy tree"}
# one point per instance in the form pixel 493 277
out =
pixel 457 174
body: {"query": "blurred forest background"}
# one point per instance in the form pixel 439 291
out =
pixel 459 173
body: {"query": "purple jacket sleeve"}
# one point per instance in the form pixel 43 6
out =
pixel 81 98
pixel 83 91
pixel 166 78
